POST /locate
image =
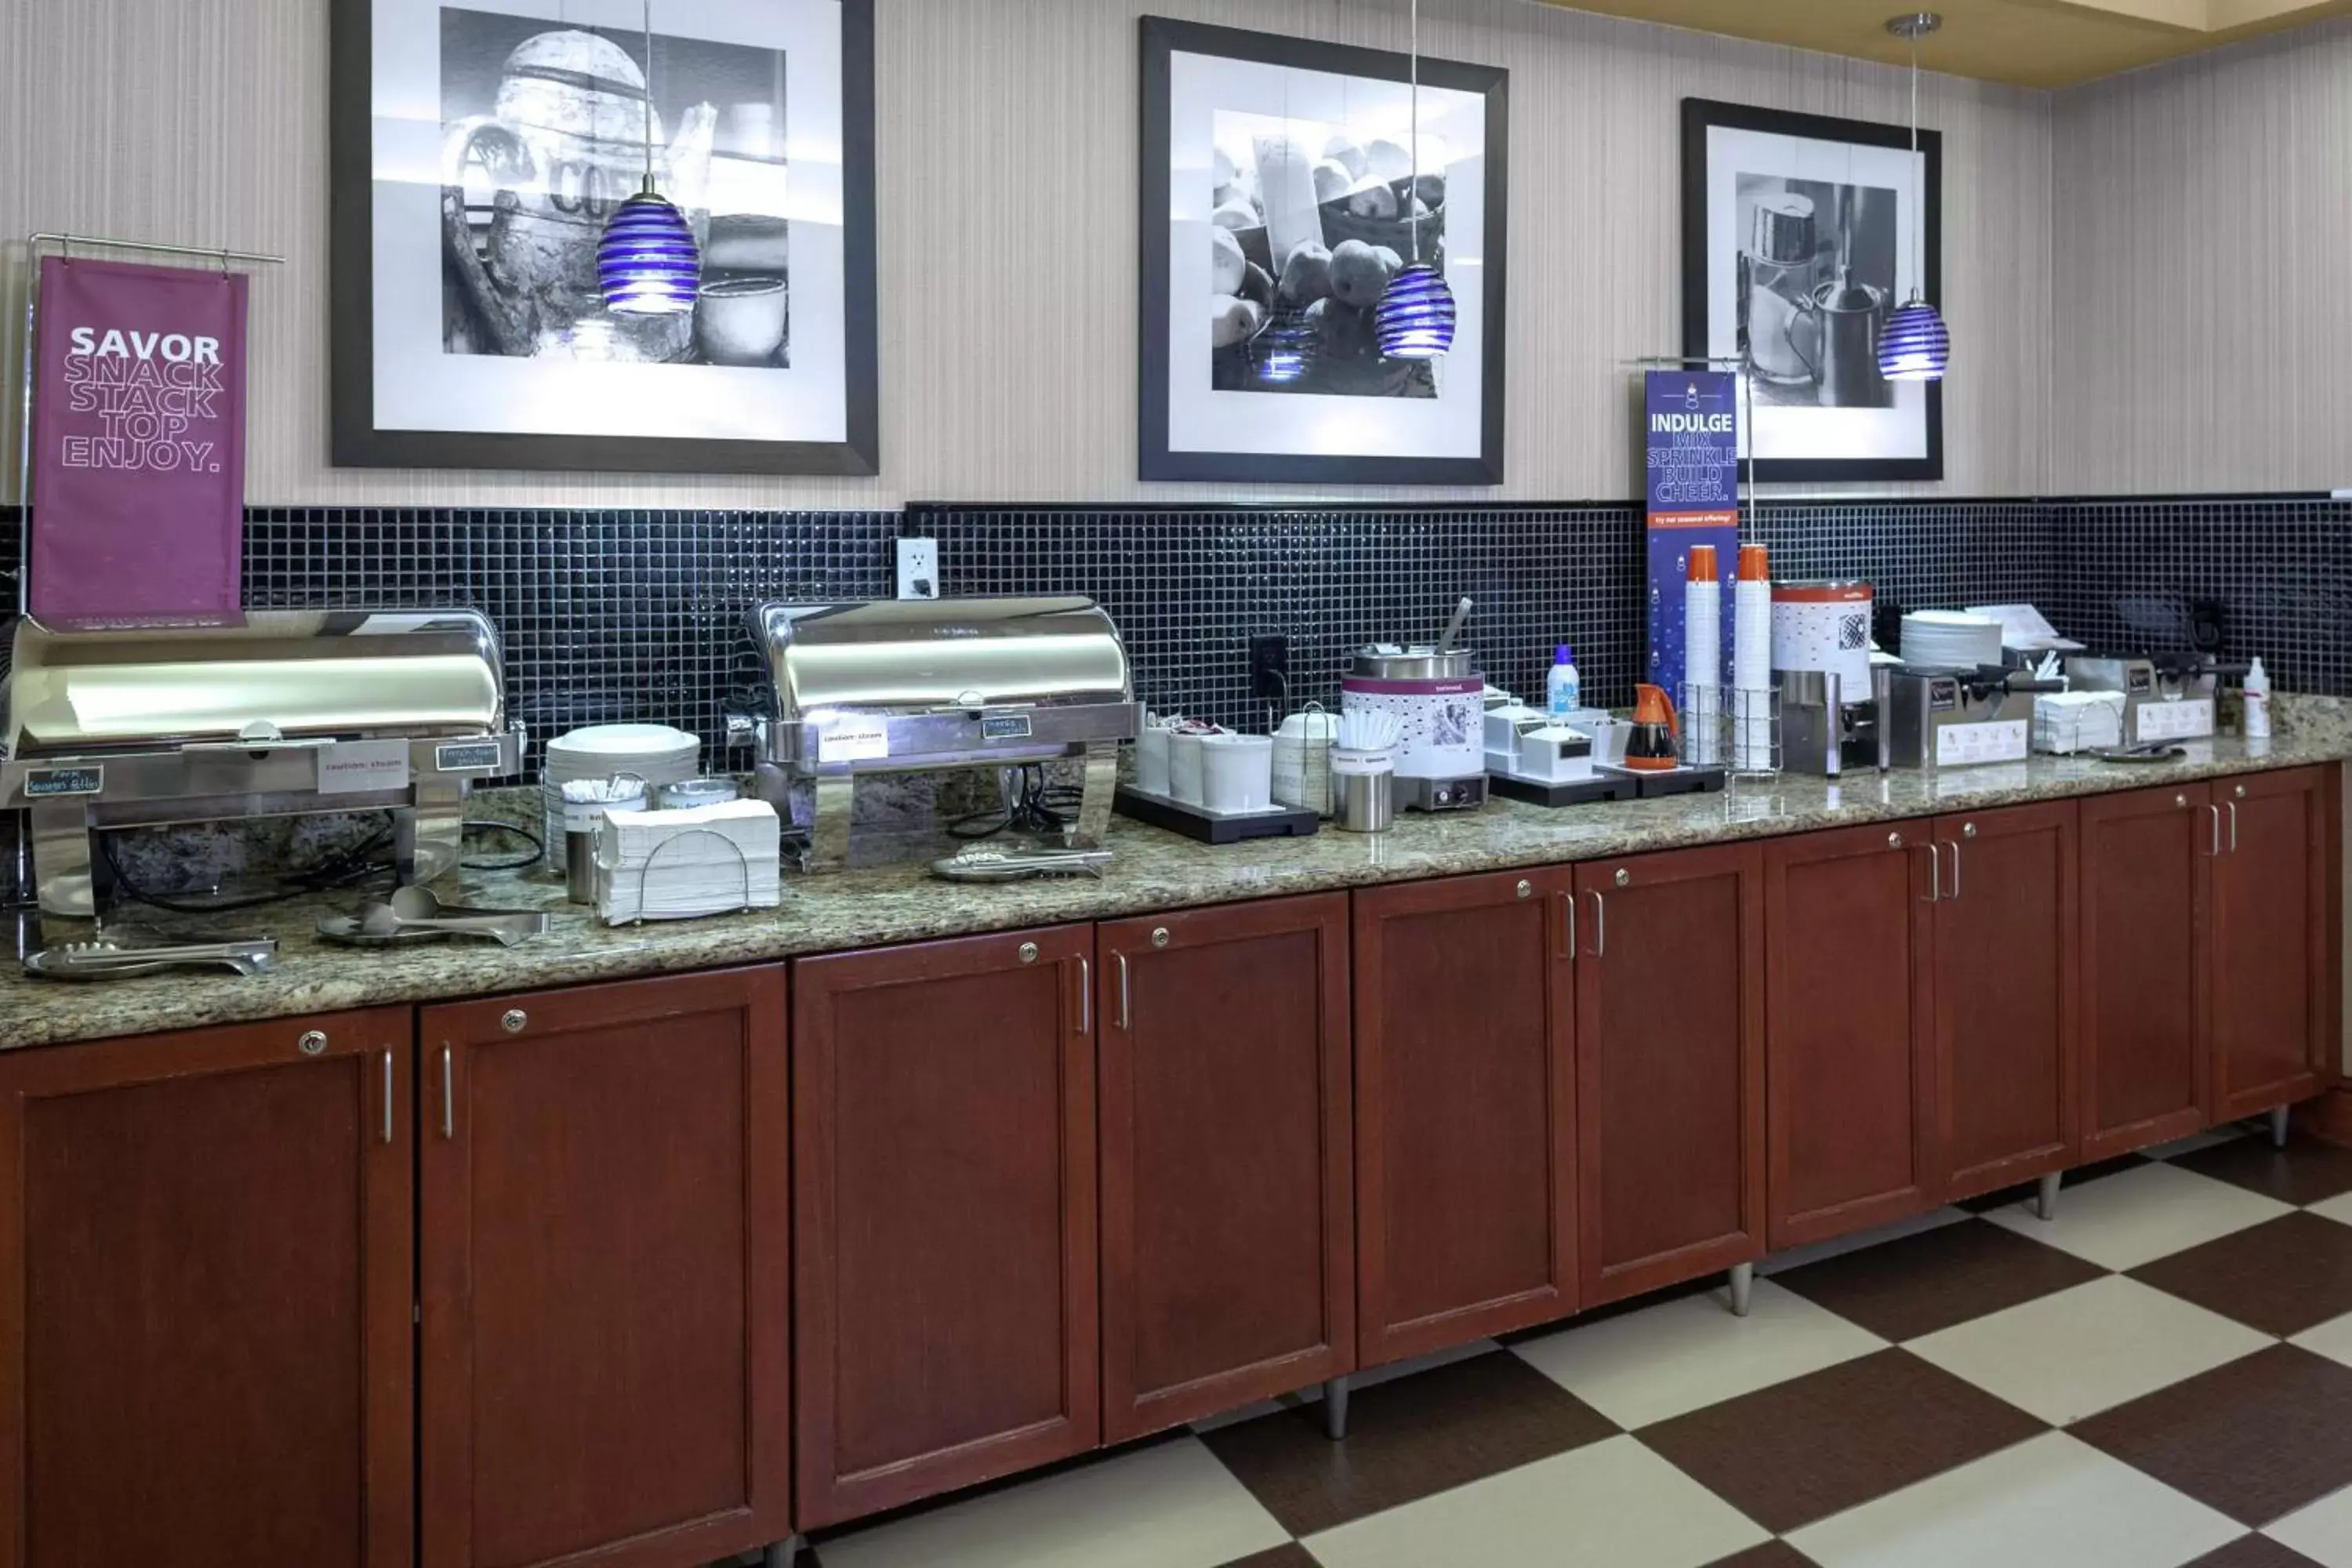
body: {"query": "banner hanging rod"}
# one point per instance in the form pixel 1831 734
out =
pixel 66 243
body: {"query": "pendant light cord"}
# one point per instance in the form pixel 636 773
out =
pixel 1413 193
pixel 1919 202
pixel 649 98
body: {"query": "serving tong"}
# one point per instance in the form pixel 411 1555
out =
pixel 107 958
pixel 999 863
pixel 415 914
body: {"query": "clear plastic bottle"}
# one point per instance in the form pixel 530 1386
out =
pixel 1564 690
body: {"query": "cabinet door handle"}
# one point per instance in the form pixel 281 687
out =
pixel 1086 997
pixel 1568 906
pixel 448 1094
pixel 1954 845
pixel 1126 1006
pixel 2233 826
pixel 1599 924
pixel 2214 852
pixel 387 1097
pixel 1934 873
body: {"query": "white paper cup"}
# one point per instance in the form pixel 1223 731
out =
pixel 1238 771
pixel 1184 781
pixel 1152 762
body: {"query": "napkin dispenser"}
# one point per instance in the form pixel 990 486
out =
pixel 281 712
pixel 920 686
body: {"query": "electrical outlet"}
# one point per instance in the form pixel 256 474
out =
pixel 918 568
pixel 1269 667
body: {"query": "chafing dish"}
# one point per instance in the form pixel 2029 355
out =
pixel 923 685
pixel 285 712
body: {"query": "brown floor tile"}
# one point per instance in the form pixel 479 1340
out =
pixel 1772 1554
pixel 2247 1551
pixel 1291 1556
pixel 2257 1438
pixel 2305 1172
pixel 2281 1277
pixel 1816 1445
pixel 1406 1439
pixel 2003 1197
pixel 1916 1285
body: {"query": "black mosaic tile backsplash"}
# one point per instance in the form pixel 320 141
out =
pixel 612 615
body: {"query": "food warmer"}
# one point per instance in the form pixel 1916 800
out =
pixel 285 712
pixel 923 685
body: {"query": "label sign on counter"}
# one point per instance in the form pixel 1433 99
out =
pixel 853 741
pixel 1005 727
pixel 49 784
pixel 466 756
pixel 2191 720
pixel 2000 740
pixel 352 767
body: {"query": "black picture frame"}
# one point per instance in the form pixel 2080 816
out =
pixel 356 442
pixel 1701 115
pixel 1162 37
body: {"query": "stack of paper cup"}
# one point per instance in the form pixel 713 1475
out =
pixel 1751 660
pixel 1702 659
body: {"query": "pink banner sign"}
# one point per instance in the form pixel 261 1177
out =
pixel 138 499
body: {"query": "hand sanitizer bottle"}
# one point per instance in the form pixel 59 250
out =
pixel 1563 692
pixel 2257 702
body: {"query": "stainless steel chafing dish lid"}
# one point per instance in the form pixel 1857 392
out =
pixel 279 673
pixel 925 655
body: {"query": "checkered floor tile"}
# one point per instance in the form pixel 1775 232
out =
pixel 2160 1377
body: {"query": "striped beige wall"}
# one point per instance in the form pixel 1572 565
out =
pixel 2204 272
pixel 1007 148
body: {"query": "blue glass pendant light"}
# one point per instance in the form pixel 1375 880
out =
pixel 1914 345
pixel 1416 315
pixel 647 263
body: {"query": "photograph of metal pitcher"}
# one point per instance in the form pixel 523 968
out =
pixel 544 134
pixel 1816 285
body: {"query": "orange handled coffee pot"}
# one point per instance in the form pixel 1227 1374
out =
pixel 1652 745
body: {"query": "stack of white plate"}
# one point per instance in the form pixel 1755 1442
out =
pixel 1948 640
pixel 654 753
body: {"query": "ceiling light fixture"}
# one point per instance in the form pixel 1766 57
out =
pixel 1914 345
pixel 1414 318
pixel 647 263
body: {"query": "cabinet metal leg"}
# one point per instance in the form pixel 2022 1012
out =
pixel 1335 1408
pixel 779 1554
pixel 2046 1202
pixel 1743 1286
pixel 2278 1127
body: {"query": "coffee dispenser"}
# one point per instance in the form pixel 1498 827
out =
pixel 1834 706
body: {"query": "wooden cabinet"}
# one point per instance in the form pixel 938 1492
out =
pixel 2005 996
pixel 1228 1177
pixel 1849 1055
pixel 1669 1068
pixel 943 1118
pixel 605 1204
pixel 205 1298
pixel 2147 866
pixel 2276 897
pixel 1465 1110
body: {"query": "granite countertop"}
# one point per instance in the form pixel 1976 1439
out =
pixel 1151 870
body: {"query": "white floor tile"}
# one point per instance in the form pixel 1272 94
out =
pixel 1171 1505
pixel 2320 1530
pixel 2074 1354
pixel 2338 1208
pixel 2137 1216
pixel 1609 1504
pixel 2053 1502
pixel 2332 1339
pixel 1690 1353
pixel 1797 1257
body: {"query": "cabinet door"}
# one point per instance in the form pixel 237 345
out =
pixel 2004 995
pixel 1228 1210
pixel 2276 892
pixel 1465 1110
pixel 1851 1072
pixel 205 1298
pixel 606 1317
pixel 943 1113
pixel 2145 868
pixel 1669 1068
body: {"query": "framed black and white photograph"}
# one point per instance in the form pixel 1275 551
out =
pixel 1801 235
pixel 481 150
pixel 1285 183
